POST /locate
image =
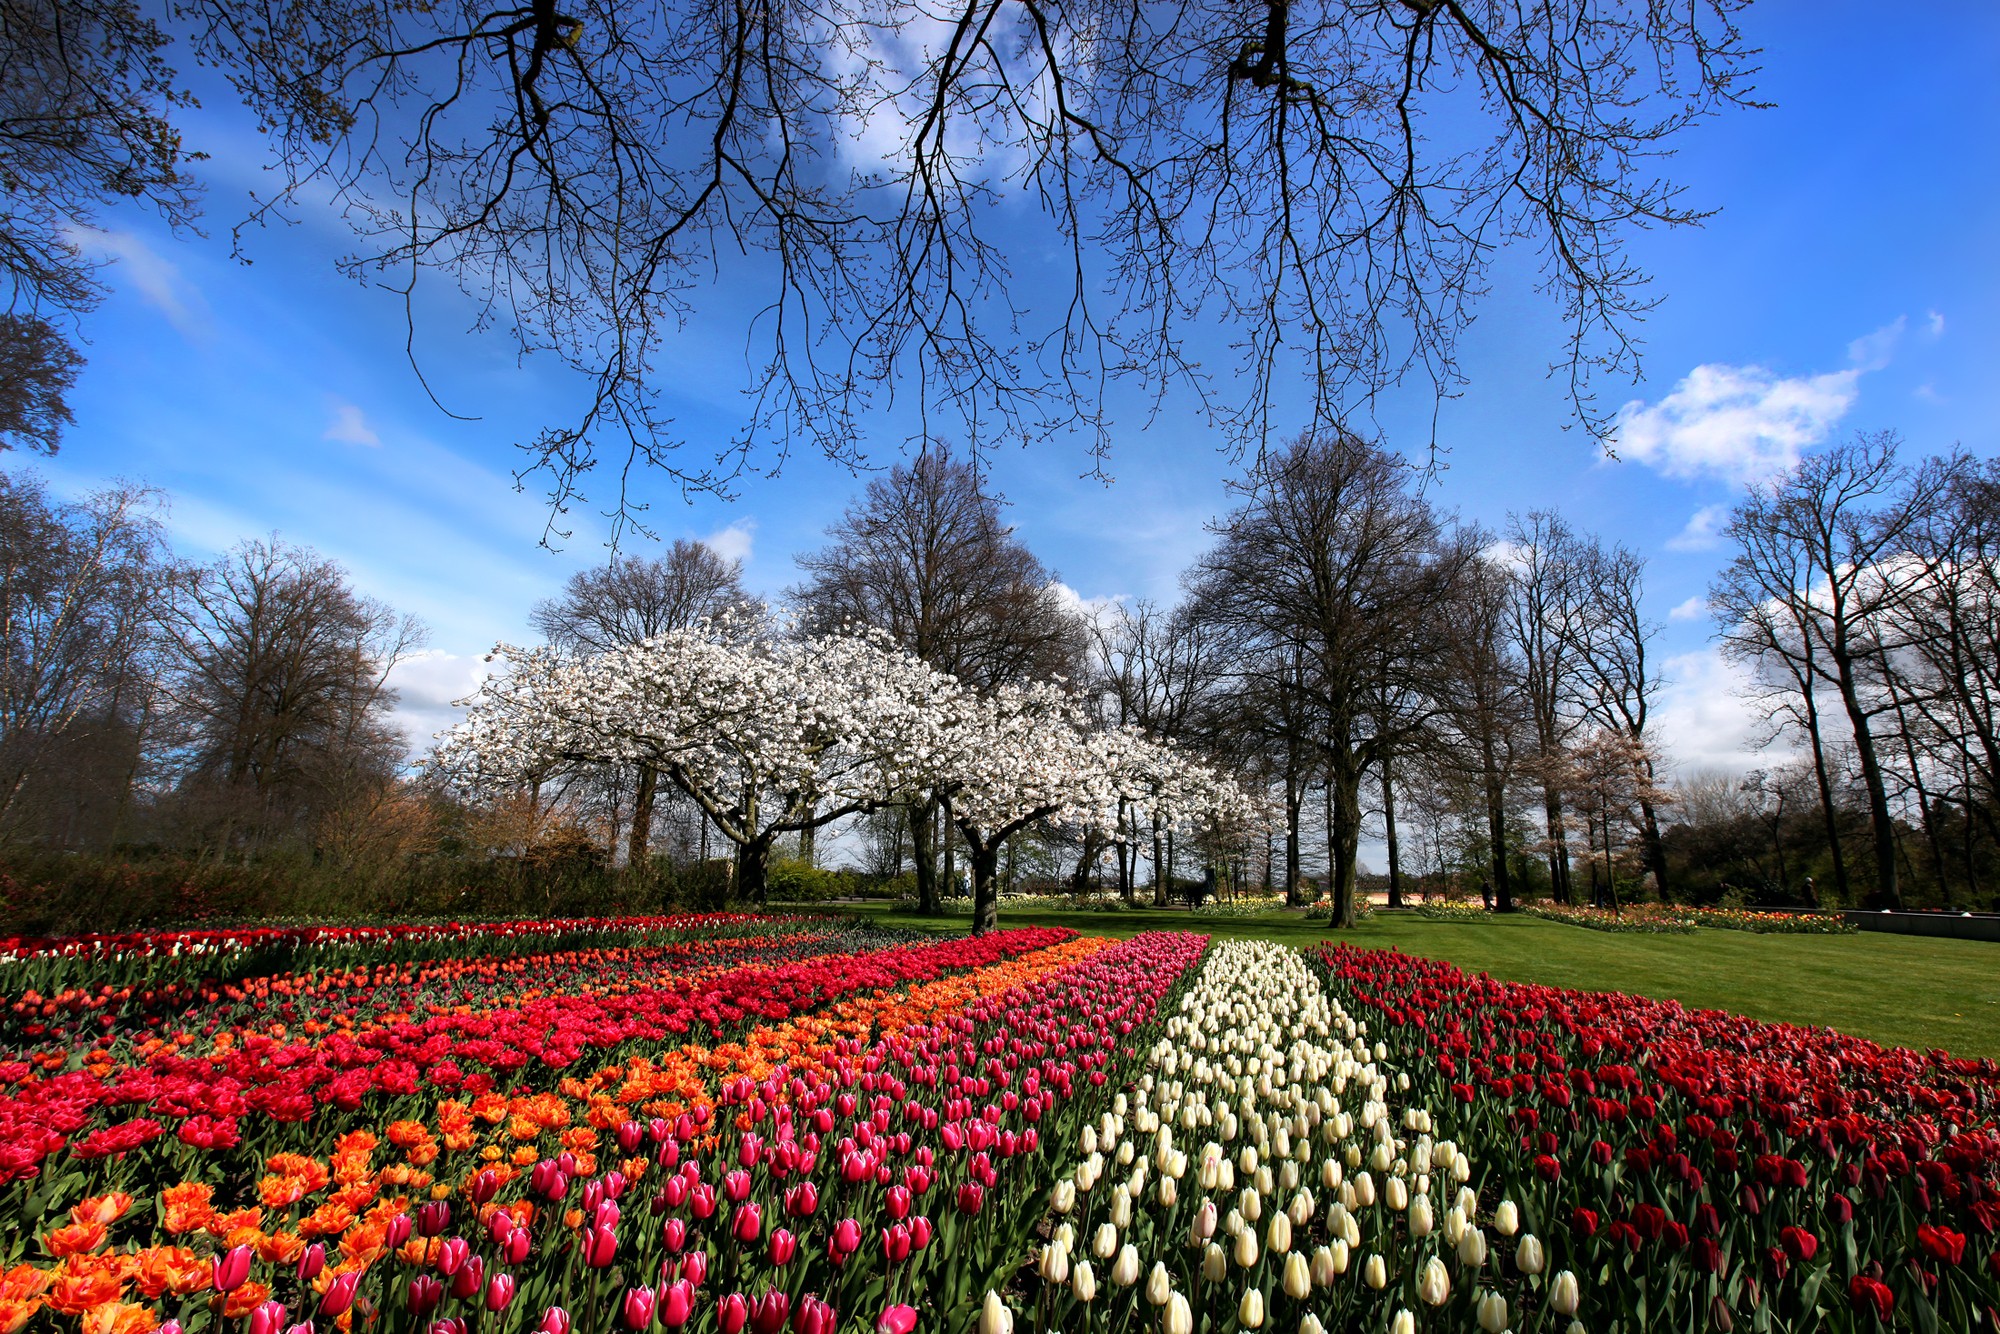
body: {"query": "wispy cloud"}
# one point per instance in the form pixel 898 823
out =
pixel 1745 424
pixel 350 427
pixel 1692 610
pixel 154 277
pixel 1703 531
pixel 1706 719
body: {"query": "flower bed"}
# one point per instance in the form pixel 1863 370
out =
pixel 829 1140
pixel 1640 918
pixel 1700 1169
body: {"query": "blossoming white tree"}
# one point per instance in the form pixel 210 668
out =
pixel 766 737
pixel 770 737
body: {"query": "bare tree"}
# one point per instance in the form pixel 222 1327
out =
pixel 1480 689
pixel 1547 614
pixel 1824 558
pixel 1347 170
pixel 628 602
pixel 1331 556
pixel 37 370
pixel 282 688
pixel 1616 678
pixel 925 558
pixel 1156 671
pixel 82 588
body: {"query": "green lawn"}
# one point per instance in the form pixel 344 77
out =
pixel 1908 991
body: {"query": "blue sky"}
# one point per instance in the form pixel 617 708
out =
pixel 1848 283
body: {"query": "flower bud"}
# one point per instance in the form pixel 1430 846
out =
pixel 1564 1294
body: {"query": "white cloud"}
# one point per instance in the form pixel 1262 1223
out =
pixel 427 683
pixel 1745 424
pixel 155 277
pixel 733 542
pixel 350 426
pixel 1934 324
pixel 1739 423
pixel 1693 609
pixel 1703 531
pixel 1094 610
pixel 1705 720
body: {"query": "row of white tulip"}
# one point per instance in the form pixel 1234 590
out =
pixel 1316 1198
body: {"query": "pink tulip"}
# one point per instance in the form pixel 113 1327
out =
pixel 677 1304
pixel 433 1217
pixel 768 1315
pixel 500 1292
pixel 268 1318
pixel 600 1247
pixel 229 1272
pixel 748 1224
pixel 694 1267
pixel 340 1294
pixel 897 1320
pixel 311 1261
pixel 636 1312
pixel 554 1321
pixel 814 1317
pixel 783 1246
pixel 802 1200
pixel 732 1313
pixel 425 1294
pixel 845 1241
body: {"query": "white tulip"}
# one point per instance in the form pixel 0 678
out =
pixel 1309 1324
pixel 1375 1272
pixel 1278 1237
pixel 1063 1198
pixel 1246 1248
pixel 1083 1282
pixel 1421 1223
pixel 1180 1316
pixel 1125 1270
pixel 1054 1266
pixel 1528 1255
pixel 994 1317
pixel 1493 1313
pixel 1507 1218
pixel 1159 1285
pixel 1403 1322
pixel 1251 1313
pixel 1472 1248
pixel 1565 1296
pixel 1204 1223
pixel 1105 1244
pixel 1214 1263
pixel 1433 1284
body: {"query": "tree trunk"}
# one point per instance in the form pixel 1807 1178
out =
pixel 1344 822
pixel 1826 805
pixel 1655 846
pixel 753 860
pixel 1559 882
pixel 925 855
pixel 639 839
pixel 1496 825
pixel 1389 829
pixel 1159 867
pixel 985 862
pixel 1294 799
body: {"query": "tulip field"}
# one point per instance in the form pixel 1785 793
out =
pixel 795 1125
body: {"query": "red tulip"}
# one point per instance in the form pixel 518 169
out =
pixel 845 1241
pixel 425 1294
pixel 896 1243
pixel 267 1318
pixel 311 1261
pixel 677 1304
pixel 340 1294
pixel 1941 1243
pixel 920 1232
pixel 732 1313
pixel 971 1198
pixel 517 1245
pixel 767 1316
pixel 555 1320
pixel 600 1246
pixel 229 1272
pixel 736 1186
pixel 802 1200
pixel 694 1267
pixel 1868 1294
pixel 433 1217
pixel 897 1320
pixel 1800 1244
pixel 814 1317
pixel 636 1311
pixel 452 1256
pixel 500 1292
pixel 783 1246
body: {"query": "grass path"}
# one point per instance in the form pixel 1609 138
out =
pixel 1909 991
